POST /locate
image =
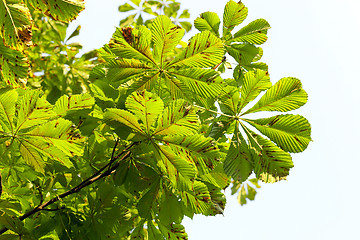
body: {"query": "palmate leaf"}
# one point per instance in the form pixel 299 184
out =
pixel 60 10
pixel 147 106
pixel 208 21
pixel 272 164
pixel 37 135
pixel 165 36
pixel 234 14
pixel 129 60
pixel 290 132
pixel 253 84
pixel 287 94
pixel 253 33
pixel 15 21
pixel 204 50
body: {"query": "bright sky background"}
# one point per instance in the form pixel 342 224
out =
pixel 318 42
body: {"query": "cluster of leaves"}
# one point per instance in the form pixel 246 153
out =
pixel 152 134
pixel 139 8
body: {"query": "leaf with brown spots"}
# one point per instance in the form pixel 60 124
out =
pixel 15 21
pixel 204 50
pixel 60 10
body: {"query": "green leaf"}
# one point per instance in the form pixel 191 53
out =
pixel 195 148
pixel 186 25
pixel 230 101
pixel 15 21
pixel 60 10
pixel 272 164
pixel 55 139
pixel 177 119
pixel 253 84
pixel 286 95
pixel 217 178
pixel 132 43
pixel 165 36
pixel 253 33
pixel 197 200
pixel 153 232
pixel 209 21
pixel 75 33
pixel 33 110
pixel 124 117
pixel 126 7
pixel 203 82
pixel 239 163
pixel 14 66
pixel 146 106
pixel 197 144
pixel 8 98
pixel 234 14
pixel 204 50
pixel 180 171
pixel 290 132
pixel 147 205
pixel 70 104
pixel 173 231
pixel 244 54
pixel 122 70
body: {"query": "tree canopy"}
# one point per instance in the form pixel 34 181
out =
pixel 125 141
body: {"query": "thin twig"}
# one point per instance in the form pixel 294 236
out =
pixel 95 177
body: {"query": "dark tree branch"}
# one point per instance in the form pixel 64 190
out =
pixel 95 177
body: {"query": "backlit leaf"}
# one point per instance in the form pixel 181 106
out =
pixel 166 36
pixel 60 10
pixel 290 132
pixel 204 50
pixel 286 95
pixel 209 21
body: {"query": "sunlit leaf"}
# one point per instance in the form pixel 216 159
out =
pixel 61 10
pixel 209 21
pixel 178 118
pixel 290 132
pixel 204 50
pixel 286 95
pixel 146 106
pixel 253 84
pixel 234 14
pixel 166 36
pixel 15 21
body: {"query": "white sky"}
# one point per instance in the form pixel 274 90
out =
pixel 318 42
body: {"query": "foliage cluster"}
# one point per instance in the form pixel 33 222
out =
pixel 124 141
